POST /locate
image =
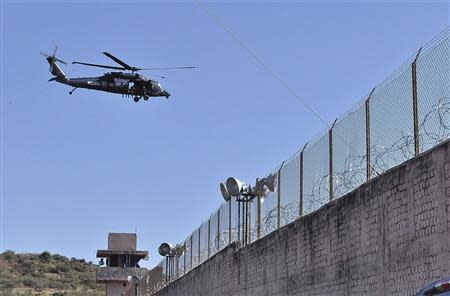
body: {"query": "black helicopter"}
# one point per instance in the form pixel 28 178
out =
pixel 125 83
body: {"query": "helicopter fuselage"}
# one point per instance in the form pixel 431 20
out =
pixel 127 84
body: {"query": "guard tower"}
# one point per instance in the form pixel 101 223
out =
pixel 121 273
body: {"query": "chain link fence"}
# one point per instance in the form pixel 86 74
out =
pixel 405 115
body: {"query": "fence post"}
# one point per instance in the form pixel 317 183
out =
pixel 192 253
pixel 368 157
pixel 199 244
pixel 184 258
pixel 300 206
pixel 279 197
pixel 415 108
pixel 330 159
pixel 219 235
pixel 209 237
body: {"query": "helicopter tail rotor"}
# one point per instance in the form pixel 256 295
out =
pixel 54 68
pixel 53 56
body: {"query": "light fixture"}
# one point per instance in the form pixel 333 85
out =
pixel 134 280
pixel 236 187
pixel 223 189
pixel 165 249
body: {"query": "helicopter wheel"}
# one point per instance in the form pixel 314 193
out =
pixel 145 98
pixel 136 99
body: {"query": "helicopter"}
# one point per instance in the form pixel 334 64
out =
pixel 127 83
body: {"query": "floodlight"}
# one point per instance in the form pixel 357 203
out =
pixel 223 189
pixel 165 249
pixel 234 186
pixel 133 280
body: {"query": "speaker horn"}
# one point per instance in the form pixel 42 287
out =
pixel 223 189
pixel 271 182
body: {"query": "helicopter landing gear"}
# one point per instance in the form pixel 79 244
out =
pixel 146 98
pixel 71 92
pixel 136 99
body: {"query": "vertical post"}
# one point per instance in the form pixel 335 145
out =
pixel 239 220
pixel 279 197
pixel 258 217
pixel 209 237
pixel 247 207
pixel 368 156
pixel 415 107
pixel 184 258
pixel 199 245
pixel 192 253
pixel 218 231
pixel 167 268
pixel 244 221
pixel 301 181
pixel 229 222
pixel 330 160
pixel 177 265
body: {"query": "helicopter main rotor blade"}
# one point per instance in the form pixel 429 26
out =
pixel 120 62
pixel 163 77
pixel 100 66
pixel 167 68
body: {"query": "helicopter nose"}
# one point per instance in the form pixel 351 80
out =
pixel 166 94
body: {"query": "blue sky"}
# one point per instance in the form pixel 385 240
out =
pixel 77 167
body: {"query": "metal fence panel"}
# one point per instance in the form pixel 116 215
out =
pixel 391 135
pixel 253 220
pixel 316 175
pixel 163 266
pixel 349 152
pixel 235 228
pixel 269 212
pixel 433 91
pixel 188 255
pixel 224 226
pixel 214 234
pixel 180 266
pixel 195 248
pixel 204 233
pixel 290 190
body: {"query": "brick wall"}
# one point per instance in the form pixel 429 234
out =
pixel 391 236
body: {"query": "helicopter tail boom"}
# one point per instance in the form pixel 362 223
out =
pixel 55 69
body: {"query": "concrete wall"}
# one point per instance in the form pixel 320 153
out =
pixel 391 236
pixel 120 289
pixel 122 241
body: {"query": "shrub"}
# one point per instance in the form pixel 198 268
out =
pixel 27 266
pixel 30 282
pixel 62 268
pixel 45 256
pixel 9 255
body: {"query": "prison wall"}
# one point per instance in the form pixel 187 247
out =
pixel 391 236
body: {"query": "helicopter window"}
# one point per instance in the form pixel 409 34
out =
pixel 120 82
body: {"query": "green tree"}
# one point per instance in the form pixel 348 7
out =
pixel 45 256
